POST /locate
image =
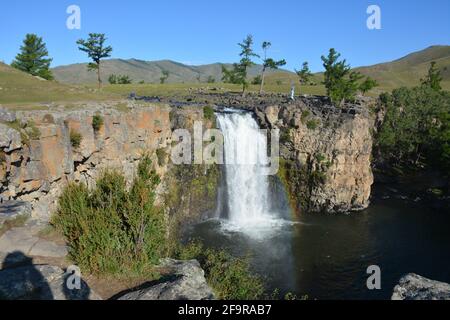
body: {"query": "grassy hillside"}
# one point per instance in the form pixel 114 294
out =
pixel 148 71
pixel 18 89
pixel 406 71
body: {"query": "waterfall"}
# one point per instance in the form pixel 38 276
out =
pixel 247 188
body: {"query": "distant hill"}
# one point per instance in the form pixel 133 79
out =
pixel 406 71
pixel 148 71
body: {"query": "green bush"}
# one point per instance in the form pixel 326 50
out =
pixel 97 122
pixel 112 229
pixel 312 124
pixel 33 132
pixel 231 278
pixel 161 155
pixel 75 138
pixel 305 115
pixel 208 113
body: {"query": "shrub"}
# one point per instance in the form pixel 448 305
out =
pixel 161 154
pixel 305 115
pixel 229 277
pixel 97 122
pixel 32 131
pixel 112 229
pixel 75 138
pixel 208 113
pixel 312 124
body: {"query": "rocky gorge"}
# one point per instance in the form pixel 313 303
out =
pixel 325 164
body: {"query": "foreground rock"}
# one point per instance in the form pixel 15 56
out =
pixel 415 287
pixel 40 282
pixel 12 210
pixel 186 281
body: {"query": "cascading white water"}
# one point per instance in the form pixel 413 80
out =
pixel 245 148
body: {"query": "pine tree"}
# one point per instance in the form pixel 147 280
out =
pixel 33 57
pixel 433 78
pixel 304 74
pixel 341 82
pixel 268 63
pixel 238 75
pixel 94 46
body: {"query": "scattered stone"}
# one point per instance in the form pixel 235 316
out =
pixel 186 281
pixel 415 287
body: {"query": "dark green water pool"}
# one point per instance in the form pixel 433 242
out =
pixel 326 256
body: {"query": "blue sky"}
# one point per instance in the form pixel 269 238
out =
pixel 199 32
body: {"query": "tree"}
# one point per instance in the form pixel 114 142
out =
pixel 416 128
pixel 433 78
pixel 304 74
pixel 33 57
pixel 119 79
pixel 341 83
pixel 268 63
pixel 238 75
pixel 164 77
pixel 257 80
pixel 211 79
pixel 112 79
pixel 368 85
pixel 94 46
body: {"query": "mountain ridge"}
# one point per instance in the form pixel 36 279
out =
pixel 404 71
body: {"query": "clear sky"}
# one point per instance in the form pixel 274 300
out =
pixel 207 31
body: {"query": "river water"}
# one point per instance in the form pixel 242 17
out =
pixel 320 255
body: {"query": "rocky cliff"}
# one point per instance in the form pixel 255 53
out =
pixel 325 151
pixel 40 151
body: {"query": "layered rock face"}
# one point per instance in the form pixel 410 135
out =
pixel 35 167
pixel 325 151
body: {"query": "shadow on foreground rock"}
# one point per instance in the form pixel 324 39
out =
pixel 20 279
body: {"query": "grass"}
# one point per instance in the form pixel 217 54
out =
pixel 19 90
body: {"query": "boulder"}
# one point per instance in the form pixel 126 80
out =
pixel 415 287
pixel 10 139
pixel 186 281
pixel 7 115
pixel 40 282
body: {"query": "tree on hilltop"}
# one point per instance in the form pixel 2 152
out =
pixel 95 47
pixel 33 58
pixel 268 63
